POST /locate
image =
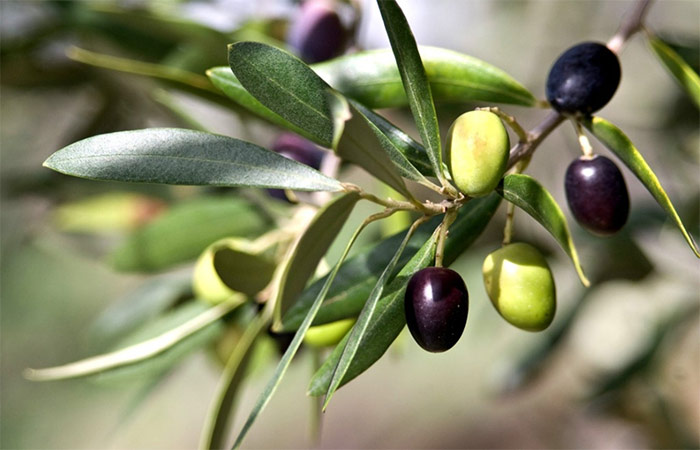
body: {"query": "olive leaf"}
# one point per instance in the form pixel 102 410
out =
pixel 217 420
pixel 681 71
pixel 146 302
pixel 372 78
pixel 139 352
pixel 179 156
pixel 360 328
pixel 389 317
pixel 286 359
pixel 169 240
pixel 415 81
pixel 364 144
pixel 530 196
pixel 224 79
pixel 307 252
pixel 288 87
pixel 615 140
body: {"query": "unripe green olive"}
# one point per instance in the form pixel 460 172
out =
pixel 520 286
pixel 477 152
pixel 230 270
pixel 328 334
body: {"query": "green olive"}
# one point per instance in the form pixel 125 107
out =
pixel 328 334
pixel 230 270
pixel 477 152
pixel 520 286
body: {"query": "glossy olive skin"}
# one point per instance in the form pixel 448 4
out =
pixel 317 33
pixel 477 152
pixel 436 305
pixel 521 286
pixel 597 195
pixel 583 79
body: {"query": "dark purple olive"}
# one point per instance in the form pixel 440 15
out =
pixel 316 32
pixel 295 147
pixel 583 79
pixel 436 306
pixel 597 194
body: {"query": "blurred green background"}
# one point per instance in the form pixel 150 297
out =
pixel 617 369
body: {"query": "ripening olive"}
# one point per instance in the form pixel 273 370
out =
pixel 436 305
pixel 597 194
pixel 317 32
pixel 328 334
pixel 520 285
pixel 583 79
pixel 477 152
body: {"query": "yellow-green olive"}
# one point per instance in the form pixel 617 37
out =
pixel 477 152
pixel 230 270
pixel 520 286
pixel 328 334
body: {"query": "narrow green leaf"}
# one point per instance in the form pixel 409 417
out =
pixel 170 239
pixel 308 251
pixel 389 317
pixel 415 81
pixel 224 79
pixel 139 306
pixel 363 144
pixel 358 331
pixel 218 417
pixel 136 353
pixel 287 86
pixel 354 281
pixel 530 196
pixel 178 156
pixel 372 78
pixel 191 82
pixel 681 71
pixel 410 149
pixel 281 369
pixel 615 140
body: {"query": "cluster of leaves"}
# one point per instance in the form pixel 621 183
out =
pixel 332 104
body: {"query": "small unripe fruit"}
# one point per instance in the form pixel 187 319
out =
pixel 328 334
pixel 520 285
pixel 317 32
pixel 597 194
pixel 436 306
pixel 477 152
pixel 583 79
pixel 229 270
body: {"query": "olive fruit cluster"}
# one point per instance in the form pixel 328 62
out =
pixel 317 33
pixel 477 152
pixel 597 194
pixel 521 286
pixel 583 79
pixel 436 306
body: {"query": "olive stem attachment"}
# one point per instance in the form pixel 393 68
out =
pixel 447 220
pixel 511 121
pixel 508 228
pixel 583 141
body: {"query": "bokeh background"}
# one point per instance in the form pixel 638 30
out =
pixel 619 368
